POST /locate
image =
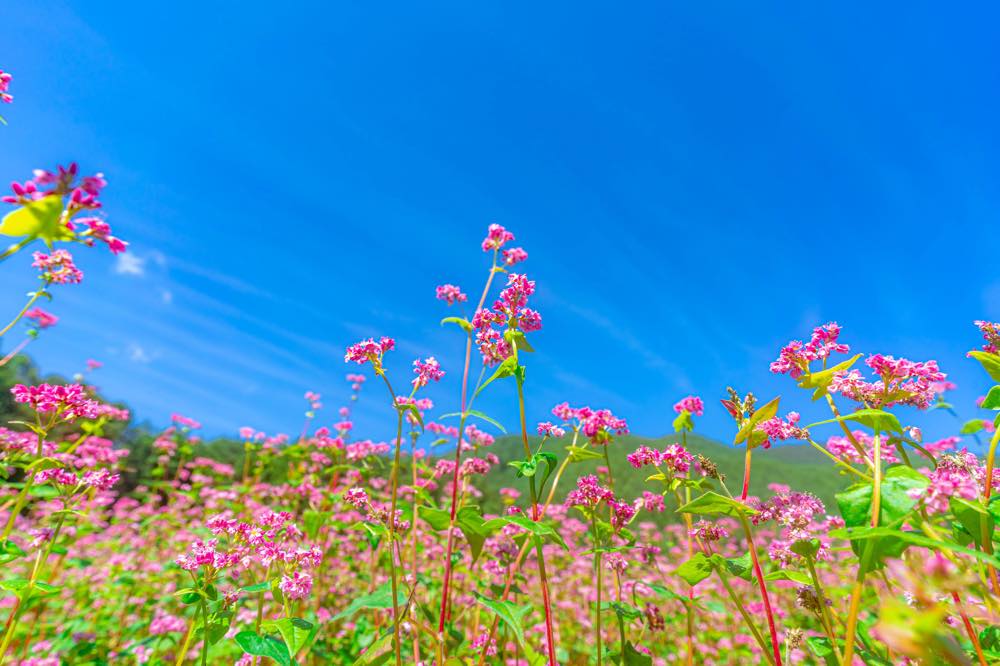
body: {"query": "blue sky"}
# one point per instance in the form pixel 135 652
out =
pixel 695 186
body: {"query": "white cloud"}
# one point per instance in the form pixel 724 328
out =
pixel 167 296
pixel 137 353
pixel 129 263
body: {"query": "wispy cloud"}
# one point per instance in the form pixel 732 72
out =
pixel 137 353
pixel 129 263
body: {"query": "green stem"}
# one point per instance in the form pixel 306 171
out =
pixel 15 248
pixel 597 612
pixel 34 297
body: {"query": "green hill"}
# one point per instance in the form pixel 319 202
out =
pixel 798 466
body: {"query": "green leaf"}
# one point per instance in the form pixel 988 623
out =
pixel 580 453
pixel 438 519
pixel 517 339
pixel 471 522
pixel 412 408
pixel 820 381
pixel 683 421
pixel 696 569
pixel 10 551
pixel 990 363
pixel 971 427
pixel 764 413
pixel 992 400
pixel 464 323
pixel 539 529
pixel 876 419
pixel 296 632
pixel 477 414
pixel 257 587
pixel 379 652
pixel 261 646
pixel 632 657
pixel 381 598
pixel 509 614
pixel 741 566
pixel 788 574
pixel 821 647
pixel 916 538
pixel 38 219
pixel 505 369
pixel 712 503
pixel 971 514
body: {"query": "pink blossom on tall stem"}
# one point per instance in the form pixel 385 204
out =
pixel 5 79
pixel 496 238
pixel 514 255
pixel 796 356
pixel 369 351
pixel 691 404
pixel 57 268
pixel 41 318
pixel 900 382
pixel 68 402
pixel 426 371
pixel 450 294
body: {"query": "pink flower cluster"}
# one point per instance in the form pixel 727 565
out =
pixel 57 268
pixel 68 401
pixel 778 429
pixel 426 371
pixel 843 448
pixel 901 382
pixel 546 429
pixel 691 404
pixel 41 318
pixel 369 350
pixel 600 425
pixel 956 475
pixel 450 294
pixel 991 333
pixel 796 513
pixel 496 238
pixel 185 421
pixel 674 457
pixel 508 311
pixel 5 79
pixel 795 357
pixel 514 255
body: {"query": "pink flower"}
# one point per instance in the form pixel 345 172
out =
pixel 296 586
pixel 691 404
pixel 706 531
pixel 5 78
pixel 514 255
pixel 778 429
pixel 69 401
pixel 426 371
pixel 795 357
pixel 41 318
pixel 57 268
pixel 369 350
pixel 589 492
pixel 98 229
pixel 182 420
pixel 93 365
pixel 991 333
pixel 496 236
pixel 450 294
pixel 957 475
pixel 546 429
pixel 901 382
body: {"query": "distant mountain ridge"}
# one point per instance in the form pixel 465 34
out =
pixel 796 465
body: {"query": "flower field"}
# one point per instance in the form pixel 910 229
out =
pixel 559 539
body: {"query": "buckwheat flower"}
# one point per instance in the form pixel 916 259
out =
pixel 588 492
pixel 98 229
pixel 184 421
pixel 546 429
pixel 778 429
pixel 68 401
pixel 621 513
pixel 691 404
pixel 653 502
pixel 654 619
pixel 57 268
pixel 676 458
pixel 492 346
pixel 844 449
pixel 616 562
pixel 93 364
pixel 601 425
pixel 708 532
pixel 991 333
pixel 477 437
pixel 41 318
pixel 955 476
pixel 369 351
pixel 296 586
pixel 426 371
pixel 23 194
pixel 101 479
pixel 450 294
pixel 795 357
pixel 643 456
pixel 496 237
pixel 480 642
pixel 356 497
pixel 514 255
pixel 5 78
pixel 901 382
